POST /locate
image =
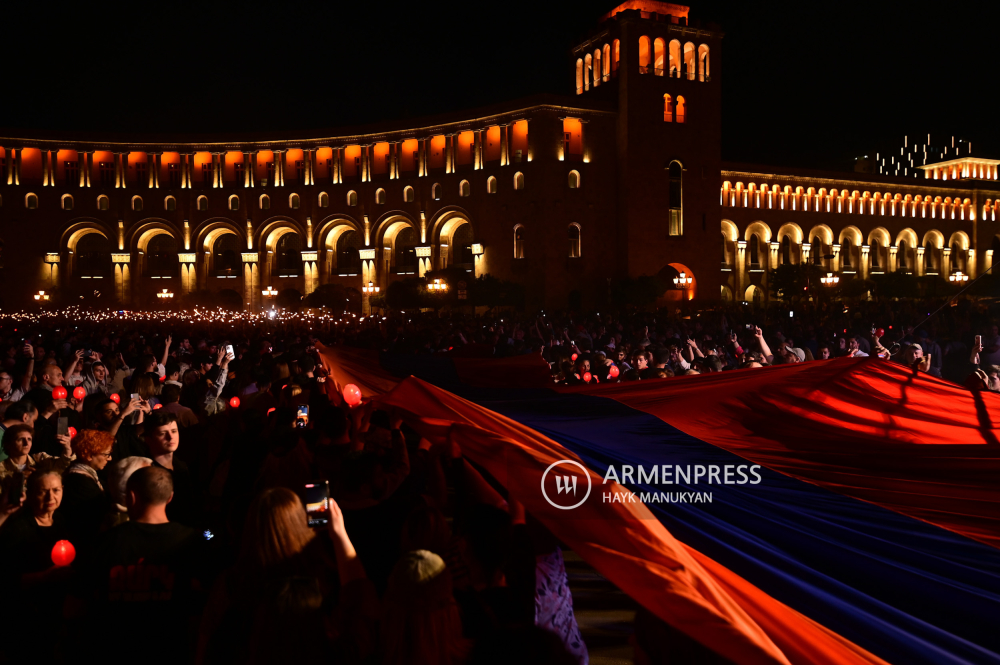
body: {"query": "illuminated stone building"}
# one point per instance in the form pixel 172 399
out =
pixel 561 193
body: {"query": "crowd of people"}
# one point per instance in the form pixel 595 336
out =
pixel 174 458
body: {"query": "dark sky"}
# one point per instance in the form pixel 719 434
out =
pixel 805 84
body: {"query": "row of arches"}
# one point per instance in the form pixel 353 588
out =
pixel 673 60
pixel 574 237
pixel 852 202
pixel 849 251
pixel 597 67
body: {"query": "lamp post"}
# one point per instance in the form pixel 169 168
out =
pixel 958 277
pixel 164 294
pixel 682 281
pixel 269 292
pixel 41 295
pixel 437 286
pixel 366 293
pixel 830 279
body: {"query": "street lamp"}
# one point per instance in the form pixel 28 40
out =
pixel 164 294
pixel 683 281
pixel 370 289
pixel 958 277
pixel 830 279
pixel 437 286
pixel 269 292
pixel 41 295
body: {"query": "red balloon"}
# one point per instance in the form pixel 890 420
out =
pixel 880 332
pixel 586 377
pixel 72 432
pixel 79 392
pixel 573 357
pixel 613 372
pixel 270 411
pixel 63 553
pixel 157 406
pixel 59 393
pixel 115 398
pixel 352 394
pixel 235 402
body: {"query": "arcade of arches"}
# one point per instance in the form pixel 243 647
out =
pixel 221 256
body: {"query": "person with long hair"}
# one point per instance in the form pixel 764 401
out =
pixel 285 595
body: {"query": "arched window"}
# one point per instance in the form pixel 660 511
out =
pixel 137 203
pixel 675 202
pixel 668 109
pixel 348 253
pixel 93 256
pixel 644 55
pixel 380 196
pixel 901 255
pixel 67 202
pixel 226 255
pixel 352 198
pixel 31 201
pixel 103 203
pixel 406 254
pixel 876 249
pixel 464 189
pixel 587 66
pixel 616 56
pixel 491 185
pixel 574 180
pixel 265 202
pixel 579 76
pixel 675 59
pixel 754 251
pixel 170 204
pixel 957 258
pixel 658 55
pixel 681 109
pixel 816 251
pixel 846 250
pixel 408 194
pixel 436 192
pixel 689 60
pixel 203 203
pixel 574 241
pixel 518 242
pixel 234 202
pixel 288 255
pixel 161 256
pixel 294 201
pixel 324 200
pixel 518 181
pixel 597 67
pixel 704 73
pixel 786 251
pixel 606 63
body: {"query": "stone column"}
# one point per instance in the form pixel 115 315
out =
pixel 504 157
pixel 88 164
pixel 920 269
pixel 156 170
pixel 119 171
pixel 421 157
pixel 253 169
pixel 864 261
pixel 970 263
pixel 772 261
pixel 81 167
pixel 279 167
pixel 10 165
pixel 741 267
pixel 893 251
pixel 835 265
pixel 45 168
pixel 335 166
pixel 946 262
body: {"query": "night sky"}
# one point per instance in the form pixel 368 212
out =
pixel 806 84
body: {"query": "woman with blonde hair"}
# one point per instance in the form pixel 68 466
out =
pixel 274 602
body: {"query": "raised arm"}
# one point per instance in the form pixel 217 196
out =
pixel 764 348
pixel 166 351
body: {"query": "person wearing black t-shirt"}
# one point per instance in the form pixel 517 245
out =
pixel 143 572
pixel 162 438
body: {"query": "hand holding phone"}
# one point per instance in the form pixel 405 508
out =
pixel 317 501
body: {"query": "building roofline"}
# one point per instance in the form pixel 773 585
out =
pixel 873 179
pixel 424 127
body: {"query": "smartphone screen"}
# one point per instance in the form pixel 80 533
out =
pixel 229 350
pixel 62 428
pixel 135 395
pixel 979 340
pixel 302 417
pixel 317 500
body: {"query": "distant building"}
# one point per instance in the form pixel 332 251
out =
pixel 624 178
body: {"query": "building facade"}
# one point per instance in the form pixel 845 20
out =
pixel 563 194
